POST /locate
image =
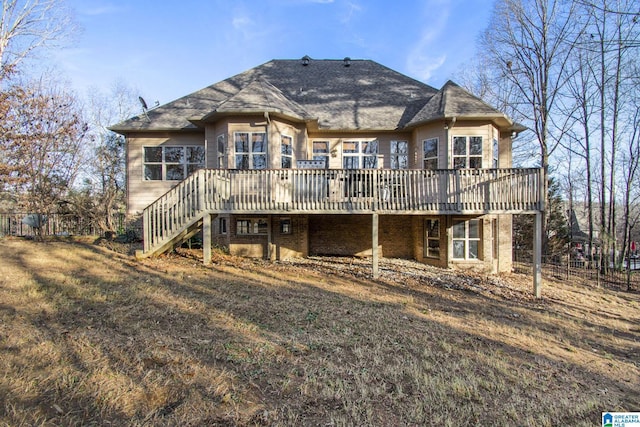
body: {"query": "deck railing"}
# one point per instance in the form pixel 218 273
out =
pixel 460 191
pixel 344 190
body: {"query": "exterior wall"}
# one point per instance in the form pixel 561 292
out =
pixel 250 246
pixel 350 235
pixel 505 239
pixel 141 193
pixel 293 245
pixel 220 235
pixel 274 245
pixel 432 130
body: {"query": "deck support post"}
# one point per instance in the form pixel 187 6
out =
pixel 206 238
pixel 374 245
pixel 537 255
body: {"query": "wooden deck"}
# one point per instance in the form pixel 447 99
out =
pixel 338 191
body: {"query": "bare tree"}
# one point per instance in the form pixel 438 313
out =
pixel 28 25
pixel 104 183
pixel 611 46
pixel 530 43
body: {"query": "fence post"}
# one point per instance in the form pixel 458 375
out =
pixel 537 255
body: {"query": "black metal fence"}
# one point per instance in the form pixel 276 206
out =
pixel 14 224
pixel 565 268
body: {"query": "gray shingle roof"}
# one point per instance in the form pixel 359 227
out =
pixel 454 101
pixel 364 95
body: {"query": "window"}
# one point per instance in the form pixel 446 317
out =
pixel 222 153
pixel 360 154
pixel 399 154
pixel 467 152
pixel 286 152
pixel 495 153
pixel 430 154
pixel 321 151
pixel 172 163
pixel 285 226
pixel 432 238
pixel 251 150
pixel 251 226
pixel 223 225
pixel 466 239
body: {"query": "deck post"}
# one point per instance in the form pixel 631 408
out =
pixel 206 238
pixel 374 244
pixel 537 255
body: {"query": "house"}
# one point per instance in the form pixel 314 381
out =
pixel 330 157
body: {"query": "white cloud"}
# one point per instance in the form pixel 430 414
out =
pixel 99 9
pixel 241 22
pixel 425 57
pixel 352 8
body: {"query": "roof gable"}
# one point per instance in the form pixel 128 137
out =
pixel 454 101
pixel 258 96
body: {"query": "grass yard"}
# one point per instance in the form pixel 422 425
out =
pixel 89 336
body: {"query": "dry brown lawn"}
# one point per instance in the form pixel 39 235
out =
pixel 90 336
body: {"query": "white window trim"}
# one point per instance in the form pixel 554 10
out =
pixel 466 239
pixel 427 238
pixel 185 164
pixel 290 156
pixel 436 157
pixel 250 151
pixel 397 155
pixel 359 154
pixel 467 156
pixel 321 155
pixel 221 155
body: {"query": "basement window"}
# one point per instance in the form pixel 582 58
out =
pixel 285 226
pixel 432 238
pixel 466 239
pixel 251 226
pixel 167 163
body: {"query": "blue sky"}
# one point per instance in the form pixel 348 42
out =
pixel 167 49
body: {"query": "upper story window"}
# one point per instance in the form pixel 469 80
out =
pixel 496 153
pixel 286 152
pixel 250 150
pixel 168 163
pixel 221 153
pixel 321 151
pixel 467 152
pixel 360 154
pixel 399 154
pixel 430 153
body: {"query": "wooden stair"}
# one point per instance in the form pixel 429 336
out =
pixel 188 231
